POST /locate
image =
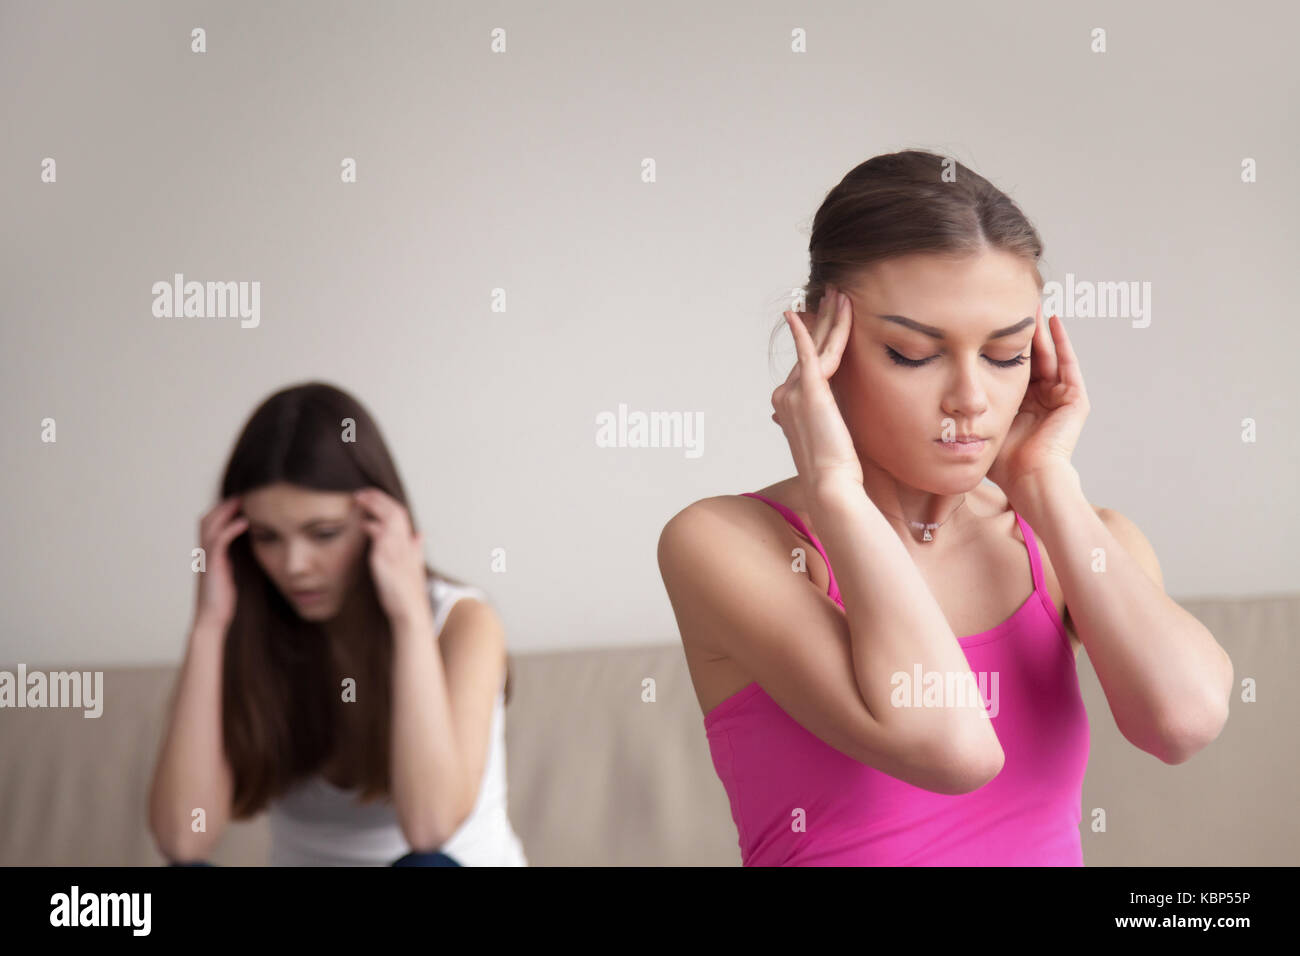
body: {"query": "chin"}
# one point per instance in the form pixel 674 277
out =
pixel 317 614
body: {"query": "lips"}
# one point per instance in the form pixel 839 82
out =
pixel 961 450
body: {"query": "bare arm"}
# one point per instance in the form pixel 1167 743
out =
pixel 895 624
pixel 192 772
pixel 1166 679
pixel 431 788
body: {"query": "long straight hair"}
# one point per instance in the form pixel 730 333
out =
pixel 281 696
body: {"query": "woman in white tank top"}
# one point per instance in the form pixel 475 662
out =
pixel 319 825
pixel 327 680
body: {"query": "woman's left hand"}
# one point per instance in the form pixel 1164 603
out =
pixel 1043 435
pixel 396 555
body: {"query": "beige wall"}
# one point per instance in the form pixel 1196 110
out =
pixel 522 171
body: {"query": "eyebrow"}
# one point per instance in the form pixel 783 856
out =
pixel 313 522
pixel 934 333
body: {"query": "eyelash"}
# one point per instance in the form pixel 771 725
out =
pixel 324 536
pixel 917 363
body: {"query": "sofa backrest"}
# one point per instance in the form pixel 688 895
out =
pixel 599 776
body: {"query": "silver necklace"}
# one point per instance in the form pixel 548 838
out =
pixel 929 527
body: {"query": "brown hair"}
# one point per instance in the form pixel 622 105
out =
pixel 280 696
pixel 900 203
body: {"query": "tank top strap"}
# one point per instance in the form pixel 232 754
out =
pixel 833 591
pixel 1035 562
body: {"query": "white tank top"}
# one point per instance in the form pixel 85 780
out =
pixel 319 824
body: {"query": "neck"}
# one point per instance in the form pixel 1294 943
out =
pixel 901 503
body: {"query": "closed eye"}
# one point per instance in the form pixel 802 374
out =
pixel 319 536
pixel 917 363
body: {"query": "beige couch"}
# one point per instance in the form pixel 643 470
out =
pixel 597 777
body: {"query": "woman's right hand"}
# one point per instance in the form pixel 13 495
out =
pixel 215 603
pixel 805 407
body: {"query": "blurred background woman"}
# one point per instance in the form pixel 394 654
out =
pixel 331 676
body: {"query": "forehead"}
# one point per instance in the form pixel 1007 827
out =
pixel 292 503
pixel 990 288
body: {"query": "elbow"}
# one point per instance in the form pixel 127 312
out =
pixel 955 768
pixel 164 843
pixel 174 835
pixel 1176 750
pixel 971 774
pixel 1183 737
pixel 169 840
pixel 976 760
pixel 426 828
pixel 428 833
pixel 419 842
pixel 180 846
pixel 428 836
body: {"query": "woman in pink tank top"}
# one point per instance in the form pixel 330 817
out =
pixel 913 394
pixel 1028 815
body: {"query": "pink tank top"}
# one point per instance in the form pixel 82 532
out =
pixel 797 801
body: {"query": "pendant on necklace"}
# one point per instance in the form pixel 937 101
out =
pixel 928 536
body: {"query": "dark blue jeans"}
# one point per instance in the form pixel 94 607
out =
pixel 411 859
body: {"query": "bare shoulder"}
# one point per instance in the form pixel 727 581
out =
pixel 704 515
pixel 470 611
pixel 699 522
pixel 727 519
pixel 696 508
pixel 713 543
pixel 472 622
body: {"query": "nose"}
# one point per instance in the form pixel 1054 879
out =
pixel 297 557
pixel 965 399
